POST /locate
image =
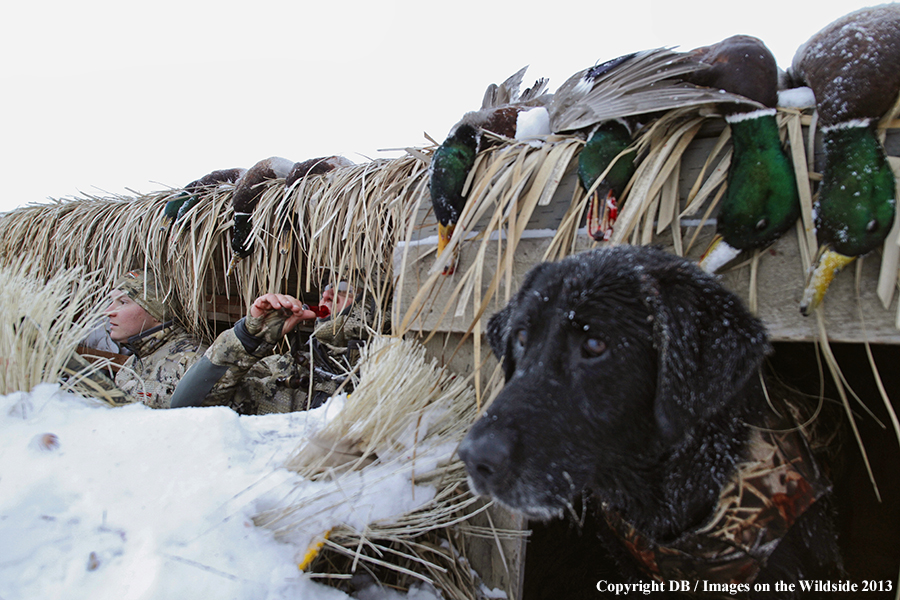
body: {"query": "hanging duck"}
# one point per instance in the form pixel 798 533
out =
pixel 640 83
pixel 609 140
pixel 504 112
pixel 300 170
pixel 638 86
pixel 315 166
pixel 761 200
pixel 176 208
pixel 852 68
pixel 246 195
pixel 605 142
pixel 609 102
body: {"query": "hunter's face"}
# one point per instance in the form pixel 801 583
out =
pixel 337 298
pixel 127 318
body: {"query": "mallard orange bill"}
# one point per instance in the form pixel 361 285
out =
pixel 717 254
pixel 313 551
pixel 828 264
pixel 445 232
pixel 235 259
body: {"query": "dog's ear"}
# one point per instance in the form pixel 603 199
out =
pixel 498 338
pixel 709 345
pixel 498 327
pixel 498 330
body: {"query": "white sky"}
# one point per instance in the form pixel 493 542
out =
pixel 102 96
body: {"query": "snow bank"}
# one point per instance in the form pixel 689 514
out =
pixel 134 503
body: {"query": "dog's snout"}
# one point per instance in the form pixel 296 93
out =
pixel 486 456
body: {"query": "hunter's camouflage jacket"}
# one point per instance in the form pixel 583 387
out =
pixel 159 361
pixel 279 383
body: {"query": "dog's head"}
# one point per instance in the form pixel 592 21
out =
pixel 611 357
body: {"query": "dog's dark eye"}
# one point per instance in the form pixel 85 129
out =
pixel 593 348
pixel 521 337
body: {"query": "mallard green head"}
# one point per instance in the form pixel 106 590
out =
pixel 186 206
pixel 172 207
pixel 608 142
pixel 761 200
pixel 450 166
pixel 611 139
pixel 856 205
pixel 856 202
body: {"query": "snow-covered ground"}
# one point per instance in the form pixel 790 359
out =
pixel 134 503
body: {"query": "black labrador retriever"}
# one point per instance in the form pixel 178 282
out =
pixel 634 378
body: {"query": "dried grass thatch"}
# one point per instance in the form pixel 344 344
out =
pixel 402 423
pixel 347 220
pixel 42 323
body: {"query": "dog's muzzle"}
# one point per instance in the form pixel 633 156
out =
pixel 486 455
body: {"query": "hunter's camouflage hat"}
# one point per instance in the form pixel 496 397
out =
pixel 342 282
pixel 143 288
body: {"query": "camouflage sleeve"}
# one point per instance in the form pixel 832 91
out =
pixel 240 371
pixel 229 353
pixel 89 381
pixel 275 384
pixel 170 372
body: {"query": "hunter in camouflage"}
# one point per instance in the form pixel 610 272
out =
pixel 240 370
pixel 162 351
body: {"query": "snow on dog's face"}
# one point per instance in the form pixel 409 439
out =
pixel 610 358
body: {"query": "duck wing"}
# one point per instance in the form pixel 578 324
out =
pixel 507 93
pixel 634 84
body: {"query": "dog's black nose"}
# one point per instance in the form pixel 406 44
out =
pixel 486 456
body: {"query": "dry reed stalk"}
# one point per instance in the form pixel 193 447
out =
pixel 889 274
pixel 701 189
pixel 42 323
pixel 195 252
pixel 398 388
pixel 665 142
pixel 405 409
